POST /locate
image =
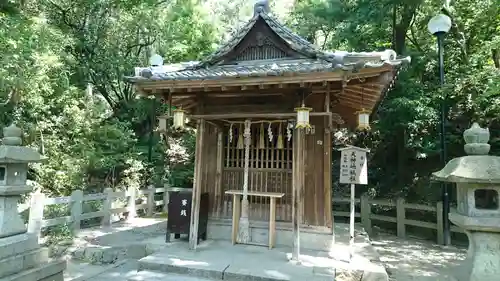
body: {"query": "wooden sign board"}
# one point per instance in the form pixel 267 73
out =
pixel 353 165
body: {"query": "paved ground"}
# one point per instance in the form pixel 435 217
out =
pixel 418 260
pixel 405 260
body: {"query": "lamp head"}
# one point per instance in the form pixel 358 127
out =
pixel 156 60
pixel 439 24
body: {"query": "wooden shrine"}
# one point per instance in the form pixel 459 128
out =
pixel 243 98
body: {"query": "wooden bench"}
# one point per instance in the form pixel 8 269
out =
pixel 237 211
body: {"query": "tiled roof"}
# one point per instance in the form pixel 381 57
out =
pixel 317 61
pixel 295 41
pixel 258 69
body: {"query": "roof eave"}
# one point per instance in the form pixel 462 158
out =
pixel 354 68
pixel 397 69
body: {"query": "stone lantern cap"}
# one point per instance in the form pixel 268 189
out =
pixel 11 150
pixel 472 169
pixel 477 167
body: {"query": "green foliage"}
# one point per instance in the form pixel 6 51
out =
pixel 405 140
pixel 52 50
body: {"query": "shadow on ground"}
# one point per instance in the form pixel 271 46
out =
pixel 413 259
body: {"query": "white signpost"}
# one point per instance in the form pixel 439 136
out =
pixel 353 170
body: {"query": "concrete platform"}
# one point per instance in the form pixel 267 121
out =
pixel 220 260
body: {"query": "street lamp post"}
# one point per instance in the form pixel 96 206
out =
pixel 439 26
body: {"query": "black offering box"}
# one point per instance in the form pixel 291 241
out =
pixel 179 213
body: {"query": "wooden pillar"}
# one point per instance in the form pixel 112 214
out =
pixel 219 196
pixel 327 164
pixel 195 203
pixel 170 104
pixel 327 178
pixel 244 225
pixel 298 188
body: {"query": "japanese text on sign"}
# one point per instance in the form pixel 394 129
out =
pixel 353 166
pixel 183 206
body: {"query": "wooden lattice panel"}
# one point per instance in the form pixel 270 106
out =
pixel 270 170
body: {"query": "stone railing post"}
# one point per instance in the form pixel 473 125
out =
pixel 132 212
pixel 151 201
pixel 76 209
pixel 166 198
pixel 401 217
pixel 440 223
pixel 365 213
pixel 37 203
pixel 106 207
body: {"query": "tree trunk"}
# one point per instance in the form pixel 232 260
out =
pixel 495 55
pixel 401 28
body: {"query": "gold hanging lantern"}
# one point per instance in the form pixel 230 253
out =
pixel 179 118
pixel 280 138
pixel 240 144
pixel 262 135
pixel 303 117
pixel 363 119
pixel 162 123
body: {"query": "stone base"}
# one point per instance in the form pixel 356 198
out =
pixel 21 258
pixel 18 244
pixel 10 221
pixel 483 259
pixel 310 239
pixel 52 271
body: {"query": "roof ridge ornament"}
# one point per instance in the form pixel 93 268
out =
pixel 261 6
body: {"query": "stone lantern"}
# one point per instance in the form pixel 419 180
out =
pixel 21 258
pixel 477 177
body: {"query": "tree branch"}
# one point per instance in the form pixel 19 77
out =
pixel 10 98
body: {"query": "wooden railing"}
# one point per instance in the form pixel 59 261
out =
pixel 366 205
pixel 39 201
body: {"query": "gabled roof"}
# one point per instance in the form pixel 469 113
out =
pixel 315 60
pixel 296 43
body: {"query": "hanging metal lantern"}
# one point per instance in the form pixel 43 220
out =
pixel 303 117
pixel 179 118
pixel 162 123
pixel 363 119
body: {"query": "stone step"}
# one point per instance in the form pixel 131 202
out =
pixel 51 271
pixel 162 276
pixel 97 254
pixel 212 271
pixel 126 240
pixel 24 261
pixel 215 270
